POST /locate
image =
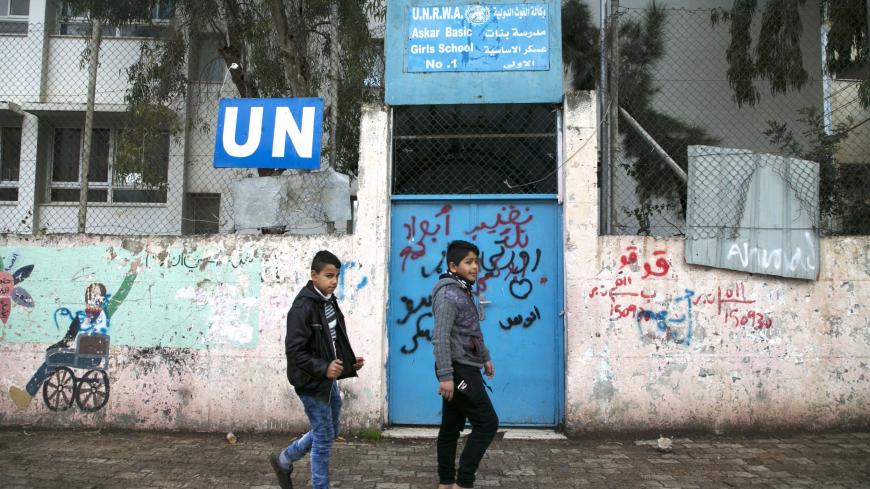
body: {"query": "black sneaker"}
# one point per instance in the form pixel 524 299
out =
pixel 282 475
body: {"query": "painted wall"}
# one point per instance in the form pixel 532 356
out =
pixel 651 343
pixel 655 344
pixel 196 325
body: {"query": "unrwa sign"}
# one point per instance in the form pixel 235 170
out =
pixel 254 133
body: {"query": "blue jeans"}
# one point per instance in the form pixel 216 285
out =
pixel 324 419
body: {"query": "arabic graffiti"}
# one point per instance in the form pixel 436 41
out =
pixel 519 320
pixel 666 324
pixel 425 229
pixel 507 255
pixel 633 295
pixel 191 261
pixel 419 332
pixel 509 226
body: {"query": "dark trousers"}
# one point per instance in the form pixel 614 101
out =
pixel 470 402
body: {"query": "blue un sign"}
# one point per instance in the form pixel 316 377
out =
pixel 269 133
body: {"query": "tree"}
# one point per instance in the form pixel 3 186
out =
pixel 271 48
pixel 777 55
pixel 641 46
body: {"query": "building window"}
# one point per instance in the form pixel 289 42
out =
pixel 14 15
pixel 72 23
pixel 10 162
pixel 204 213
pixel 140 178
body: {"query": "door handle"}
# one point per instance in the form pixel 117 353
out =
pixel 482 300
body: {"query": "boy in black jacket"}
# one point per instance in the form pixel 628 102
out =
pixel 318 355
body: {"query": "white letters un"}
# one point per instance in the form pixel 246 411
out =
pixel 253 133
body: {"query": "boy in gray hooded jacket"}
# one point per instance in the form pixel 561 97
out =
pixel 460 353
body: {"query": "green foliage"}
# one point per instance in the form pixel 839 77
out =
pixel 114 12
pixel 272 48
pixel 839 196
pixel 372 434
pixel 777 55
pixel 580 54
pixel 641 46
pixel 848 45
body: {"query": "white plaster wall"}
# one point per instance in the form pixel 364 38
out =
pixel 810 369
pixel 217 387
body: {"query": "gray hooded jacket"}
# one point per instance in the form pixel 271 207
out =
pixel 458 338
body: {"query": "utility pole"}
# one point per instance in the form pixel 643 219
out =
pixel 604 123
pixel 613 117
pixel 96 38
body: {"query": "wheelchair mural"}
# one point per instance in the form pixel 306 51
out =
pixel 88 328
pixel 62 386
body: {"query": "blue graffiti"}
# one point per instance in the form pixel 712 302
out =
pixel 362 283
pixel 88 320
pixel 664 323
pixel 344 267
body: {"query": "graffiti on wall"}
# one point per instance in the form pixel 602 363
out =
pixel 181 299
pixel 636 295
pixel 84 348
pixel 507 255
pixel 10 290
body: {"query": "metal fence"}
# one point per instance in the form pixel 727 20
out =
pixel 669 88
pixel 164 184
pixel 475 149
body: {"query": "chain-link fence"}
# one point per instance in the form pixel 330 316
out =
pixel 475 149
pixel 140 181
pixel 684 77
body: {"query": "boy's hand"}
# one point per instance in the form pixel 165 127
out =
pixel 488 369
pixel 445 390
pixel 360 361
pixel 334 369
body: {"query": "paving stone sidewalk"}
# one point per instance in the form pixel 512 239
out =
pixel 131 460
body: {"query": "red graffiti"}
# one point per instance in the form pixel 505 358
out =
pixel 510 227
pixel 733 295
pixel 752 318
pixel 627 300
pixel 628 258
pixel 425 228
pixel 661 263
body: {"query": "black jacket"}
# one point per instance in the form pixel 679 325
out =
pixel 308 344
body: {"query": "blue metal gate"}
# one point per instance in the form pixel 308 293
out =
pixel 520 286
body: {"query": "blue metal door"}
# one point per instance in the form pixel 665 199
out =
pixel 519 286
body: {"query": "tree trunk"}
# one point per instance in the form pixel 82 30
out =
pixel 96 39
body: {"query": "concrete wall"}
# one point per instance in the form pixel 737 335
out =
pixel 198 341
pixel 712 349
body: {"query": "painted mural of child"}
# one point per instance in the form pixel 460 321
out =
pixel 95 319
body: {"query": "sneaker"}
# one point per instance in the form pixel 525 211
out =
pixel 20 397
pixel 282 475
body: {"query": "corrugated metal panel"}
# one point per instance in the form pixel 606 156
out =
pixel 752 212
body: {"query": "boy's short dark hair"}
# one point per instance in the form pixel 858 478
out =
pixel 457 250
pixel 323 258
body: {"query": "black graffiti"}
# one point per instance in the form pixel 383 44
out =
pixel 519 320
pixel 439 268
pixel 514 269
pixel 520 288
pixel 191 262
pixel 411 309
pixel 420 333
